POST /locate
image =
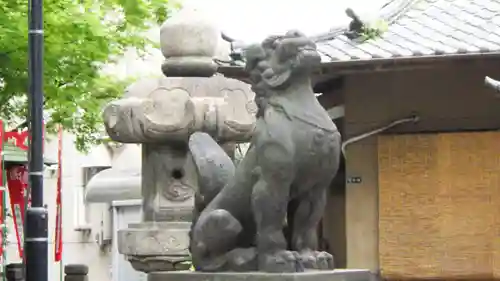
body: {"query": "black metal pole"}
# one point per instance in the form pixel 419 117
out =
pixel 36 234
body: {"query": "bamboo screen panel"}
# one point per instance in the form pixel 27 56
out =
pixel 439 205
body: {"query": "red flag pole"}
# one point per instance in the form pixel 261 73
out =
pixel 2 200
pixel 58 231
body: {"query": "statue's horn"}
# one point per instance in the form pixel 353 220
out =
pixel 492 83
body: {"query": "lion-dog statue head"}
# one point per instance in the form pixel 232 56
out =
pixel 278 62
pixel 279 59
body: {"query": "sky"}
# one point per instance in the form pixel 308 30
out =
pixel 251 21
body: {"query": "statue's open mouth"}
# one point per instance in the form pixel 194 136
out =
pixel 309 56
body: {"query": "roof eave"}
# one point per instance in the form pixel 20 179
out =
pixel 413 59
pixel 377 64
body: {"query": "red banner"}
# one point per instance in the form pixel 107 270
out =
pixel 20 138
pixel 17 182
pixel 58 231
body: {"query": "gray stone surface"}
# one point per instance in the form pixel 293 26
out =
pixel 266 217
pixel 154 239
pixel 335 275
pixel 154 246
pixel 158 110
pixel 161 114
pixel 214 168
pixel 189 41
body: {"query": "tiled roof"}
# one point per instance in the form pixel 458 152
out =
pixel 429 27
pixel 14 154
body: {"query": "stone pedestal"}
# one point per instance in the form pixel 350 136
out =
pixel 156 246
pixel 335 275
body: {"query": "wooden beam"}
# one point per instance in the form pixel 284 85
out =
pixel 339 68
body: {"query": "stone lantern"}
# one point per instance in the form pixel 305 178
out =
pixel 161 114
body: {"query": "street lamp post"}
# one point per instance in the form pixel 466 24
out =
pixel 36 234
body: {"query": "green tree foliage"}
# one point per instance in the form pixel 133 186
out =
pixel 81 36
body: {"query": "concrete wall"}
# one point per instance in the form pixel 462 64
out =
pixel 78 246
pixel 446 98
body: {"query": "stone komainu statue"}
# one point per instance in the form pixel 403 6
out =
pixel 263 215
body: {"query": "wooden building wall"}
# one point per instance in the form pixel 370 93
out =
pixel 439 203
pixel 450 97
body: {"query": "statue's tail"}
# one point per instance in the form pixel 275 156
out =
pixel 215 168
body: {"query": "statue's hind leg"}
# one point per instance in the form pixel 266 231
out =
pixel 215 233
pixel 215 250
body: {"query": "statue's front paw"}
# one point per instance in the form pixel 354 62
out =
pixel 317 260
pixel 280 261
